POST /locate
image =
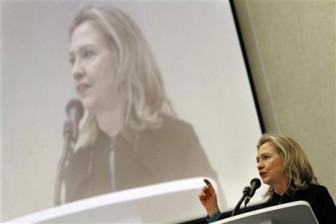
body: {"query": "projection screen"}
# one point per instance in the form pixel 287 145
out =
pixel 197 50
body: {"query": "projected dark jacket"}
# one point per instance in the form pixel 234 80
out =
pixel 168 153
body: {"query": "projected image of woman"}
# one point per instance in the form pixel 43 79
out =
pixel 131 136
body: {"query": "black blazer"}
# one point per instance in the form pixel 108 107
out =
pixel 170 152
pixel 317 196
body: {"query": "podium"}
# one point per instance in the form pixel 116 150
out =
pixel 298 212
pixel 169 202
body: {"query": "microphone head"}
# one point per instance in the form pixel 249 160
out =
pixel 75 110
pixel 256 182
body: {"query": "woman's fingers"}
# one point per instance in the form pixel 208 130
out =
pixel 207 191
pixel 207 182
pixel 209 185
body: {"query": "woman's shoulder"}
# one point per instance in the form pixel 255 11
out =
pixel 174 121
pixel 177 126
pixel 322 203
pixel 312 187
pixel 317 193
pixel 171 128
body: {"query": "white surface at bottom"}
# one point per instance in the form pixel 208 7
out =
pixel 170 202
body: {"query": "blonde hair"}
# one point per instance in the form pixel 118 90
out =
pixel 138 78
pixel 296 165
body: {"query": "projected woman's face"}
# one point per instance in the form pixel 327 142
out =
pixel 92 67
pixel 269 164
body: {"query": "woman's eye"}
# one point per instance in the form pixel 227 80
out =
pixel 72 61
pixel 266 157
pixel 88 54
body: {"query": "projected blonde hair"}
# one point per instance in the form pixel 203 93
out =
pixel 295 162
pixel 138 77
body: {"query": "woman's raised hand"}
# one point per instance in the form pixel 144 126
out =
pixel 208 198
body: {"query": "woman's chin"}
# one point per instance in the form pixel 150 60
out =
pixel 265 180
pixel 88 104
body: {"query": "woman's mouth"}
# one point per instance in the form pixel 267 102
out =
pixel 82 88
pixel 262 174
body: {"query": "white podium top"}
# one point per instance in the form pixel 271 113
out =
pixel 298 212
pixel 169 202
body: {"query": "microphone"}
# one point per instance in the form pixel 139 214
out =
pixel 248 193
pixel 75 112
pixel 254 185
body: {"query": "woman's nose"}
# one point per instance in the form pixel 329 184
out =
pixel 260 165
pixel 77 70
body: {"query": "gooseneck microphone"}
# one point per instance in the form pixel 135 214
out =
pixel 75 111
pixel 254 184
pixel 248 193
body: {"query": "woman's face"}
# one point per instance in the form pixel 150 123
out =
pixel 269 164
pixel 92 68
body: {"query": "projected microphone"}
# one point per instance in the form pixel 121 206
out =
pixel 254 185
pixel 75 111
